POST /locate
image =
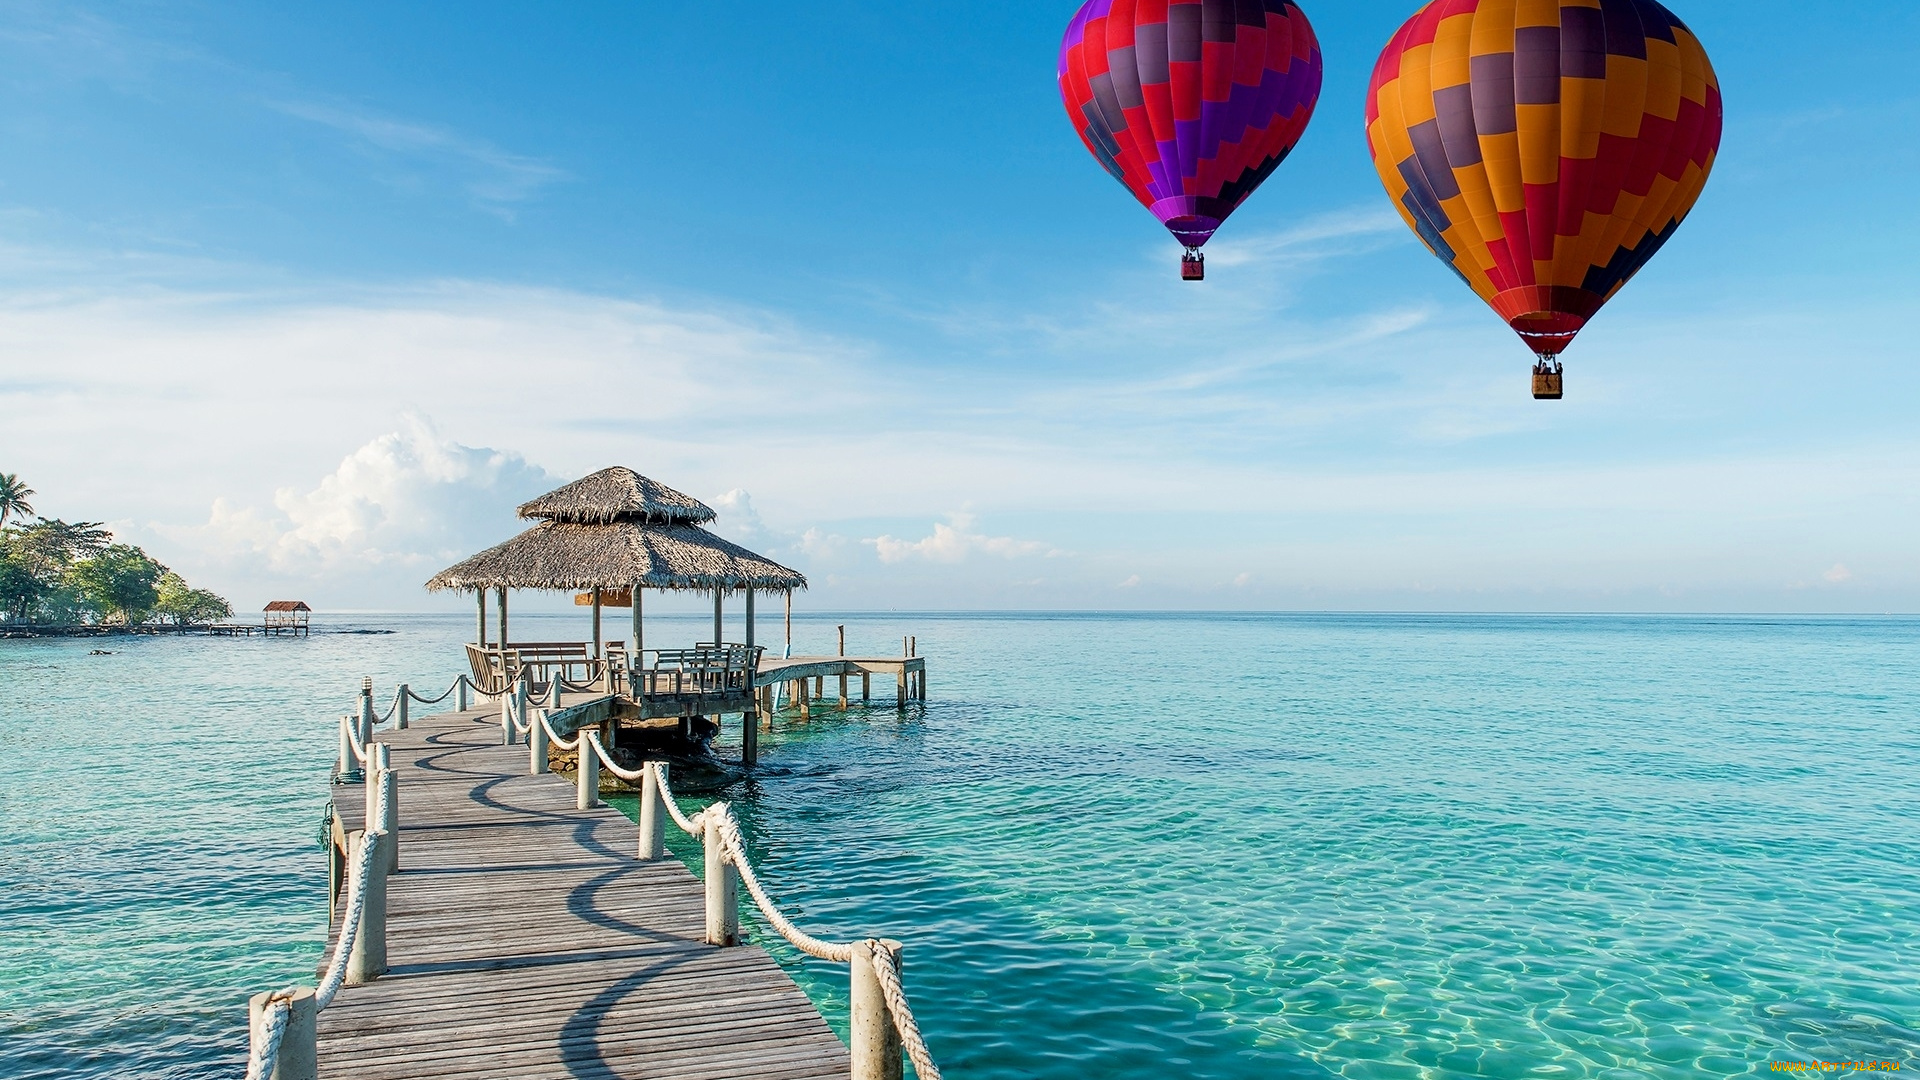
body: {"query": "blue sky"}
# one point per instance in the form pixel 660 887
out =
pixel 306 300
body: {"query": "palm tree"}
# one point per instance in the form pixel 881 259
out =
pixel 13 498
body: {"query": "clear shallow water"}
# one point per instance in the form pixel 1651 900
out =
pixel 1126 846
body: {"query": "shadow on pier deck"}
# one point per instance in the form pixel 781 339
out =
pixel 525 940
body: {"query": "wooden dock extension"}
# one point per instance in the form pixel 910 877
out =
pixel 523 938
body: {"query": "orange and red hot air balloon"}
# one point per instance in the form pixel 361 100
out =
pixel 1544 149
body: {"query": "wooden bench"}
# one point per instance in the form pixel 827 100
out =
pixel 571 660
pixel 495 670
pixel 701 670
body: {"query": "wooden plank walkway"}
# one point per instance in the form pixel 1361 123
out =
pixel 524 939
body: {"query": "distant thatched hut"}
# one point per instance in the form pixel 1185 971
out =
pixel 288 617
pixel 617 531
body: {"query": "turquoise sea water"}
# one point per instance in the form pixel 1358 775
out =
pixel 1118 846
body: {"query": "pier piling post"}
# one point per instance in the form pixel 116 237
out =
pixel 521 689
pixel 900 688
pixel 750 720
pixel 536 744
pixel 405 696
pixel 370 788
pixel 866 686
pixel 723 884
pixel 843 669
pixel 873 1038
pixel 347 762
pixel 366 711
pixel 390 810
pixel 368 960
pixel 653 817
pixel 587 771
pixel 299 1057
pixel 336 872
pixel 461 695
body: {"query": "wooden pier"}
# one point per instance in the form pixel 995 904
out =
pixel 524 939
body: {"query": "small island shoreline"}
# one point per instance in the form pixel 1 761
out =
pixel 89 630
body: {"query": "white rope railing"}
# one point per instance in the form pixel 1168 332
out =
pixel 265 1052
pixel 632 777
pixel 270 1031
pixel 736 849
pixel 888 976
pixel 457 680
pixel 544 697
pixel 687 825
pixel 353 739
pixel 336 975
pixel 555 739
pixel 719 817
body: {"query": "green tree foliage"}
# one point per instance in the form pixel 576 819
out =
pixel 21 589
pixel 34 562
pixel 119 584
pixel 183 605
pixel 60 572
pixel 14 494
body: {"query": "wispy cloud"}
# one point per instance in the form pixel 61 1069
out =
pixel 1353 231
pixel 493 177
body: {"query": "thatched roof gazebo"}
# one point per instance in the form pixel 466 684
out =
pixel 615 534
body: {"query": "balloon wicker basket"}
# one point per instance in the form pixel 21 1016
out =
pixel 1193 267
pixel 1546 381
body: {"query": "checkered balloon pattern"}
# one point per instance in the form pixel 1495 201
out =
pixel 1544 149
pixel 1190 104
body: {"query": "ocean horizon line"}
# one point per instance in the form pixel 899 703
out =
pixel 953 613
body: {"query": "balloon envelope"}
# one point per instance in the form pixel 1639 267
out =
pixel 1190 104
pixel 1544 151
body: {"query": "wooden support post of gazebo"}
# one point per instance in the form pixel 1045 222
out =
pixel 639 644
pixel 750 720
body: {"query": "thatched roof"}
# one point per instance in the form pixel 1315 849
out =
pixel 574 555
pixel 286 605
pixel 618 494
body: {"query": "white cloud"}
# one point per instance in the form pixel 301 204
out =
pixel 821 544
pixel 738 520
pixel 407 503
pixel 1131 583
pixel 1242 580
pixel 1838 574
pixel 953 541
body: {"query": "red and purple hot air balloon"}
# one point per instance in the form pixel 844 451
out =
pixel 1190 104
